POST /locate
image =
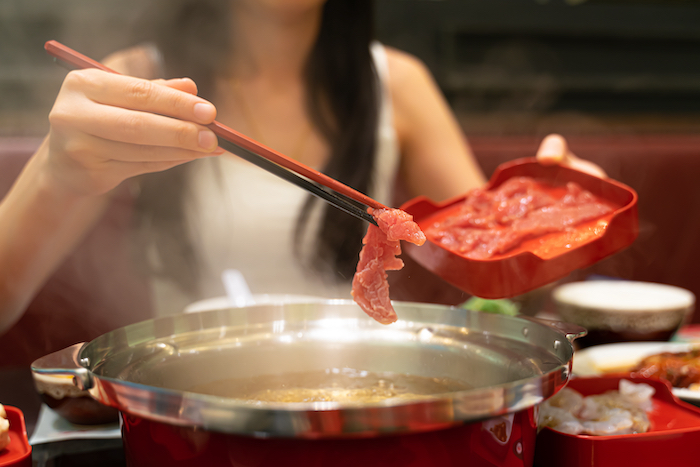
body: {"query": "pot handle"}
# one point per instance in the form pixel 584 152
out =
pixel 571 331
pixel 65 362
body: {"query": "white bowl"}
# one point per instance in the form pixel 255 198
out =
pixel 619 310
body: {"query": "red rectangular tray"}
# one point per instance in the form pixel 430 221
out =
pixel 671 440
pixel 537 261
pixel 19 452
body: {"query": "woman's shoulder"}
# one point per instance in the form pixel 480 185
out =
pixel 142 61
pixel 406 68
pixel 409 78
pixel 411 85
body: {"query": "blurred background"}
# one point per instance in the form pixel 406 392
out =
pixel 507 66
pixel 619 78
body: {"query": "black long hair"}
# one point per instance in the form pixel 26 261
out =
pixel 342 102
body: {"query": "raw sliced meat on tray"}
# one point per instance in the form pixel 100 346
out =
pixel 494 222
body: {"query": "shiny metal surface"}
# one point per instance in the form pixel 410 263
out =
pixel 145 369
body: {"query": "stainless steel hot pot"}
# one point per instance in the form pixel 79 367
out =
pixel 144 370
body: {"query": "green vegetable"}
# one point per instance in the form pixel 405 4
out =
pixel 501 306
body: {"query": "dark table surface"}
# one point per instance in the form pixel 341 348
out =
pixel 79 453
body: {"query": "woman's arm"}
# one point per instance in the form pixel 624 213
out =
pixel 436 159
pixel 104 129
pixel 41 223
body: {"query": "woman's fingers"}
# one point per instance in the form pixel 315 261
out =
pixel 181 84
pixel 106 128
pixel 92 165
pixel 92 148
pixel 131 110
pixel 133 126
pixel 143 95
pixel 555 150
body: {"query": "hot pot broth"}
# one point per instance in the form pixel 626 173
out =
pixel 422 368
pixel 330 385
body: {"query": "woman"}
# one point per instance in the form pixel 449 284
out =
pixel 304 78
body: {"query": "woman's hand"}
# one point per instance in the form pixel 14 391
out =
pixel 554 150
pixel 106 128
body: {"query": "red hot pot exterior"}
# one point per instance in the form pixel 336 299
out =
pixel 148 371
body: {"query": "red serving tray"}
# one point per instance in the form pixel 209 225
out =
pixel 672 439
pixel 537 261
pixel 19 452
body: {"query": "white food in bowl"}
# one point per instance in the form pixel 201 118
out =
pixel 618 305
pixel 624 295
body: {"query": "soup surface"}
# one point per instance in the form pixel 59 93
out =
pixel 330 385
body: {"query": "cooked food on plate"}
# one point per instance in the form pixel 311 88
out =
pixel 381 246
pixel 681 369
pixel 676 363
pixel 619 412
pixel 492 222
pixel 4 429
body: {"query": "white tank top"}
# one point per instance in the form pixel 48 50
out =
pixel 246 220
